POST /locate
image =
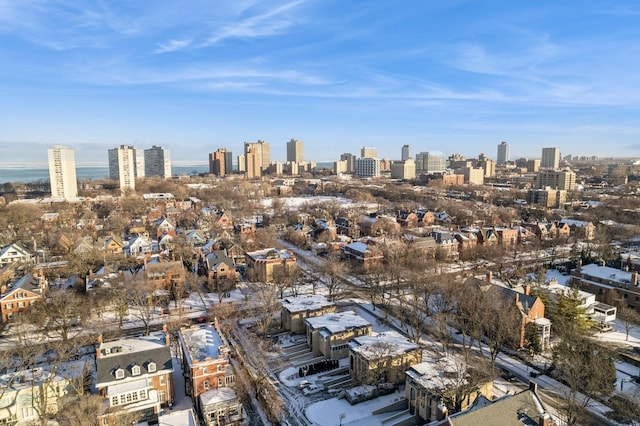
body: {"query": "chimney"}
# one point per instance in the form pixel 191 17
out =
pixel 533 386
pixel 579 267
pixel 634 278
pixel 98 353
pixel 167 339
pixel 489 277
pixel 216 324
pixel 527 289
pixel 544 419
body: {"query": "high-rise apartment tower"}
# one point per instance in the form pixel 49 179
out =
pixel 62 172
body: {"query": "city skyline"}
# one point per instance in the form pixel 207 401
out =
pixel 447 76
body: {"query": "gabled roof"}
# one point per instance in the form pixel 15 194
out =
pixel 17 247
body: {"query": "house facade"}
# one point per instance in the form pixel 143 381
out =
pixel 328 335
pixel 262 264
pixel 295 310
pixel 134 376
pixel 18 296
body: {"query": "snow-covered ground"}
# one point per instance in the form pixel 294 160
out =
pixel 329 412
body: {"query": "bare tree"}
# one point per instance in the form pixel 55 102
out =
pixel 61 314
pixel 629 317
pixel 144 300
pixel 332 273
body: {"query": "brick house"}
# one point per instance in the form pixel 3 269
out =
pixel 164 274
pixel 220 269
pixel 362 253
pixel 205 359
pixel 261 264
pixel 20 295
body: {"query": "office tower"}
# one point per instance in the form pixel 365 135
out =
pixel 351 162
pixel 253 160
pixel 405 169
pixel 295 151
pixel 122 166
pixel 430 162
pixel 550 158
pixel 368 152
pixel 367 167
pixel 139 159
pixel 503 153
pixel 221 162
pixel 157 162
pixel 62 172
pixel 556 179
pixel 406 152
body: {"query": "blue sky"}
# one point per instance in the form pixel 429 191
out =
pixel 439 75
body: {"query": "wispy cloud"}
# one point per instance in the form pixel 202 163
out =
pixel 265 24
pixel 172 45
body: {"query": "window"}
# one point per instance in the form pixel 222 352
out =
pixel 9 306
pixel 119 373
pixel 206 384
pixel 204 370
pixel 135 370
pixel 143 394
pixel 219 368
pixel 114 400
pixel 20 304
pixel 151 367
pixel 129 398
pixel 162 380
pixel 123 399
pixel 162 396
pixel 219 381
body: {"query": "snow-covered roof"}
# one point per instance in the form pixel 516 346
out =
pixel 338 321
pixel 439 374
pixel 182 418
pixel 358 246
pixel 394 344
pixel 201 342
pixel 217 396
pixel 606 273
pixel 306 302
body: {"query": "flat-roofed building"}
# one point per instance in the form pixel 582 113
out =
pixel 295 310
pixel 328 335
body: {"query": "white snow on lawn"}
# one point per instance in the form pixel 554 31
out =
pixel 327 413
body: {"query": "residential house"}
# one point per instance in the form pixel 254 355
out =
pixel 134 375
pixel 531 308
pixel 466 240
pixel 139 244
pixel 295 310
pixel 348 227
pixel 262 264
pixel 26 394
pixel 444 385
pixel 580 229
pixel 220 270
pixel 165 274
pixel 522 408
pixel 507 236
pixel 382 357
pixel 221 406
pixel 362 253
pixel 407 219
pixel 113 245
pixel 425 217
pixel 205 359
pixel 195 237
pixel 13 253
pixel 328 335
pixel 486 236
pixel 606 282
pixel 19 295
pixel 593 310
pixel 446 243
pixel 164 227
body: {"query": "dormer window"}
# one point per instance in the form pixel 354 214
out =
pixel 151 367
pixel 119 373
pixel 135 370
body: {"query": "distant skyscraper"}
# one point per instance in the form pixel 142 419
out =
pixel 550 158
pixel 405 169
pixel 157 162
pixel 367 167
pixel 221 162
pixel 253 160
pixel 265 153
pixel 503 153
pixel 242 165
pixel 406 152
pixel 122 166
pixel 368 152
pixel 351 162
pixel 430 162
pixel 295 151
pixel 139 155
pixel 62 172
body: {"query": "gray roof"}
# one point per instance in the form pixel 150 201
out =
pixel 133 351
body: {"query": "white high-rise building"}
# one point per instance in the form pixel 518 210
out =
pixel 550 158
pixel 62 172
pixel 122 166
pixel 157 162
pixel 503 153
pixel 367 167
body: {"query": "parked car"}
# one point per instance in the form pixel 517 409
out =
pixel 313 388
pixel 303 384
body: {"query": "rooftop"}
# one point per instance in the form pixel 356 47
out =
pixel 606 273
pixel 338 321
pixel 382 344
pixel 303 303
pixel 202 342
